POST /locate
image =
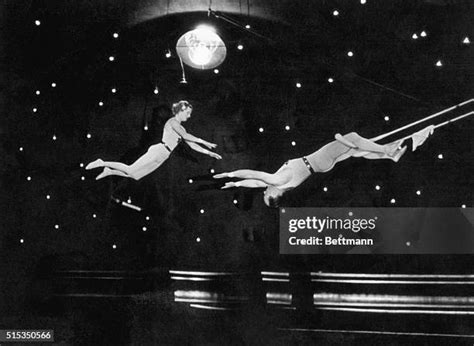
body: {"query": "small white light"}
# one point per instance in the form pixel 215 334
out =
pixel 54 137
pixel 198 239
pixel 293 143
pixel 22 241
pixel 114 246
pixel 145 128
pixel 350 53
pixel 393 201
pixel 129 200
pixel 94 216
pixel 298 85
pixel 235 201
pixel 260 130
pixel 53 85
pixel 216 71
pixel 386 118
pixel 28 178
pixel 423 33
pixel 101 103
pixel 114 90
pixel 351 213
pixel 414 36
pixel 81 165
pixel 168 54
pixel 37 22
pixel 287 128
pixel 377 187
pixel 56 226
pixel 408 243
pixel 418 192
pixel 201 211
pixel 83 178
pixel 116 35
pixel 440 156
pixel 147 218
pixel 89 135
pixel 190 181
pixel 463 206
pixel 240 47
pixel 247 26
pixel 330 80
pixel 466 40
pixel 212 170
pixel 325 189
pixel 144 229
pixel 335 13
pixel 156 91
pixel 38 92
pixel 35 110
pixel 111 58
pixel 48 197
pixel 21 149
pixel 439 63
pixel 363 2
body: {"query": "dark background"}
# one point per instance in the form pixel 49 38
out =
pixel 391 74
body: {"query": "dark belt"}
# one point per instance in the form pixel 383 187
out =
pixel 167 147
pixel 306 162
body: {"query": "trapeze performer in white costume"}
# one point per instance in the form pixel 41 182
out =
pixel 173 133
pixel 295 172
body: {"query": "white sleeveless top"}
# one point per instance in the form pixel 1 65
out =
pixel 300 173
pixel 170 137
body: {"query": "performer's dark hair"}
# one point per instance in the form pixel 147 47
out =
pixel 180 106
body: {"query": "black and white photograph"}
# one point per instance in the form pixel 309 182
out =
pixel 236 172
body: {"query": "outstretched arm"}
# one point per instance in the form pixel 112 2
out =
pixel 279 178
pixel 189 138
pixel 200 149
pixel 250 183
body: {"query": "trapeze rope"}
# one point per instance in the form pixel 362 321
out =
pixel 427 118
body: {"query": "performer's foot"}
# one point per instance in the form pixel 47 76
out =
pixel 95 164
pixel 391 149
pixel 399 154
pixel 106 172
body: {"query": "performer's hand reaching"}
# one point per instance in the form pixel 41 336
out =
pixel 223 175
pixel 229 185
pixel 214 155
pixel 209 144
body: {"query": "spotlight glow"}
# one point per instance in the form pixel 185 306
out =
pixel 325 189
pixel 198 240
pixel 22 241
pixel 330 80
pixel 81 165
pixel 212 170
pixel 94 216
pixel 114 90
pixel 216 71
pixel 463 206
pixel 247 26
pixel 144 229
pixel 190 181
pixel 287 128
pixel 37 22
pixel 147 218
pixel 240 47
pixel 414 36
pixel 423 33
pixel 83 178
pixel 386 118
pixel 28 178
pixel 235 201
pixel 439 63
pixel 202 211
pixel 145 128
pixel 418 192
pixel 466 40
pixel 35 110
pixel 156 91
pixel 21 149
pixel 260 130
pixel 54 137
pixel 111 58
pixel 298 85
pixel 48 197
pixel 53 85
pixel 293 143
pixel 38 92
pixel 56 226
pixel 350 53
pixel 114 246
pixel 363 2
pixel 335 13
pixel 393 201
pixel 377 187
pixel 89 136
pixel 440 156
pixel 115 35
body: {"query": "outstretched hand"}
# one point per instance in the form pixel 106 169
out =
pixel 209 145
pixel 222 175
pixel 214 155
pixel 229 185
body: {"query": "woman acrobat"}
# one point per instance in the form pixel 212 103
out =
pixel 173 133
pixel 295 172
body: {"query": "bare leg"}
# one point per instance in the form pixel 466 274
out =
pixel 368 145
